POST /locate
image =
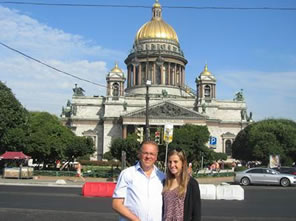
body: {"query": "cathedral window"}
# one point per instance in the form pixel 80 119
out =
pixel 158 75
pixel 150 70
pixel 143 70
pixel 207 91
pixel 165 74
pixel 115 89
pixel 132 76
pixel 228 145
pixel 178 75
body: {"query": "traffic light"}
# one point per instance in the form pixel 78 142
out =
pixel 139 132
pixel 157 137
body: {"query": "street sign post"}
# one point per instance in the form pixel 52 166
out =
pixel 213 142
pixel 168 138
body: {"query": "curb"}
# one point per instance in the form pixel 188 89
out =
pixel 42 184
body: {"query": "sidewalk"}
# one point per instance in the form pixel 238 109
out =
pixel 55 181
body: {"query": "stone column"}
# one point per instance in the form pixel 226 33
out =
pixel 140 74
pixel 175 74
pixel 122 88
pixel 180 75
pixel 134 75
pixel 161 75
pixel 154 72
pixel 128 76
pixel 169 73
pixel 183 75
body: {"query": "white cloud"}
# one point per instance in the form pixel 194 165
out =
pixel 37 86
pixel 268 94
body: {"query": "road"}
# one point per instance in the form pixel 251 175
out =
pixel 27 203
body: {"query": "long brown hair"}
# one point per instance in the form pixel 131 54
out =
pixel 184 176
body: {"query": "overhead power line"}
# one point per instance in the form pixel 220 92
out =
pixel 143 6
pixel 51 67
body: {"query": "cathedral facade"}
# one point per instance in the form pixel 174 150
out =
pixel 154 92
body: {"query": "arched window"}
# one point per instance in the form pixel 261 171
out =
pixel 115 88
pixel 137 75
pixel 228 148
pixel 158 75
pixel 143 74
pixel 207 91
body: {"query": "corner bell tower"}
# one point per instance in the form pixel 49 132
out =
pixel 115 82
pixel 206 87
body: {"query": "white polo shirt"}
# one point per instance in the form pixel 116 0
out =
pixel 142 195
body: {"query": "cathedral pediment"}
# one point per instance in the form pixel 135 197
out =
pixel 166 110
pixel 228 135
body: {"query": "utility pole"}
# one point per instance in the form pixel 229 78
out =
pixel 147 132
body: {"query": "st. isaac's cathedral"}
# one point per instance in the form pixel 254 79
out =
pixel 155 67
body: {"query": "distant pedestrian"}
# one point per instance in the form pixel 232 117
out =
pixel 78 172
pixel 233 165
pixel 217 165
pixel 213 167
pixel 190 169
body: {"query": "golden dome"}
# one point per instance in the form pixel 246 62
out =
pixel 116 69
pixel 206 72
pixel 156 5
pixel 156 27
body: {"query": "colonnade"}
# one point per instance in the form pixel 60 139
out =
pixel 167 74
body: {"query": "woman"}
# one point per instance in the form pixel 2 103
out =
pixel 181 195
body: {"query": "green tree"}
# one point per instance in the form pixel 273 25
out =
pixel 79 147
pixel 130 145
pixel 267 137
pixel 192 139
pixel 50 140
pixel 13 121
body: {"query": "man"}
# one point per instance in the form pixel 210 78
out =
pixel 138 193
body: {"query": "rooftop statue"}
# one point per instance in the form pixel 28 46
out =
pixel 78 91
pixel 239 96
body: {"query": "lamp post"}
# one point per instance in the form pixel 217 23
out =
pixel 147 134
pixel 159 62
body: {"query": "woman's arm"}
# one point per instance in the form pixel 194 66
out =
pixel 196 201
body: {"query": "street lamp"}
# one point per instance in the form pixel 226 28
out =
pixel 159 62
pixel 147 134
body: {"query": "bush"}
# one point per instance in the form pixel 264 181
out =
pixel 203 175
pixel 99 163
pixel 54 173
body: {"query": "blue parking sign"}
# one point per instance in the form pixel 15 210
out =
pixel 213 141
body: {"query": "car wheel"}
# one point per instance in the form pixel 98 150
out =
pixel 285 182
pixel 245 181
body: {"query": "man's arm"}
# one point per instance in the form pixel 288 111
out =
pixel 118 206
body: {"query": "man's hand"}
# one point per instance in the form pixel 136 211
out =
pixel 118 206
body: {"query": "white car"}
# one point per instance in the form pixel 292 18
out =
pixel 264 176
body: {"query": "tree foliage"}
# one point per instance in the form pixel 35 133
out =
pixel 13 121
pixel 78 147
pixel 268 137
pixel 49 140
pixel 130 145
pixel 192 139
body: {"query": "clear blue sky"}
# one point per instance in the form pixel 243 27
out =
pixel 250 49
